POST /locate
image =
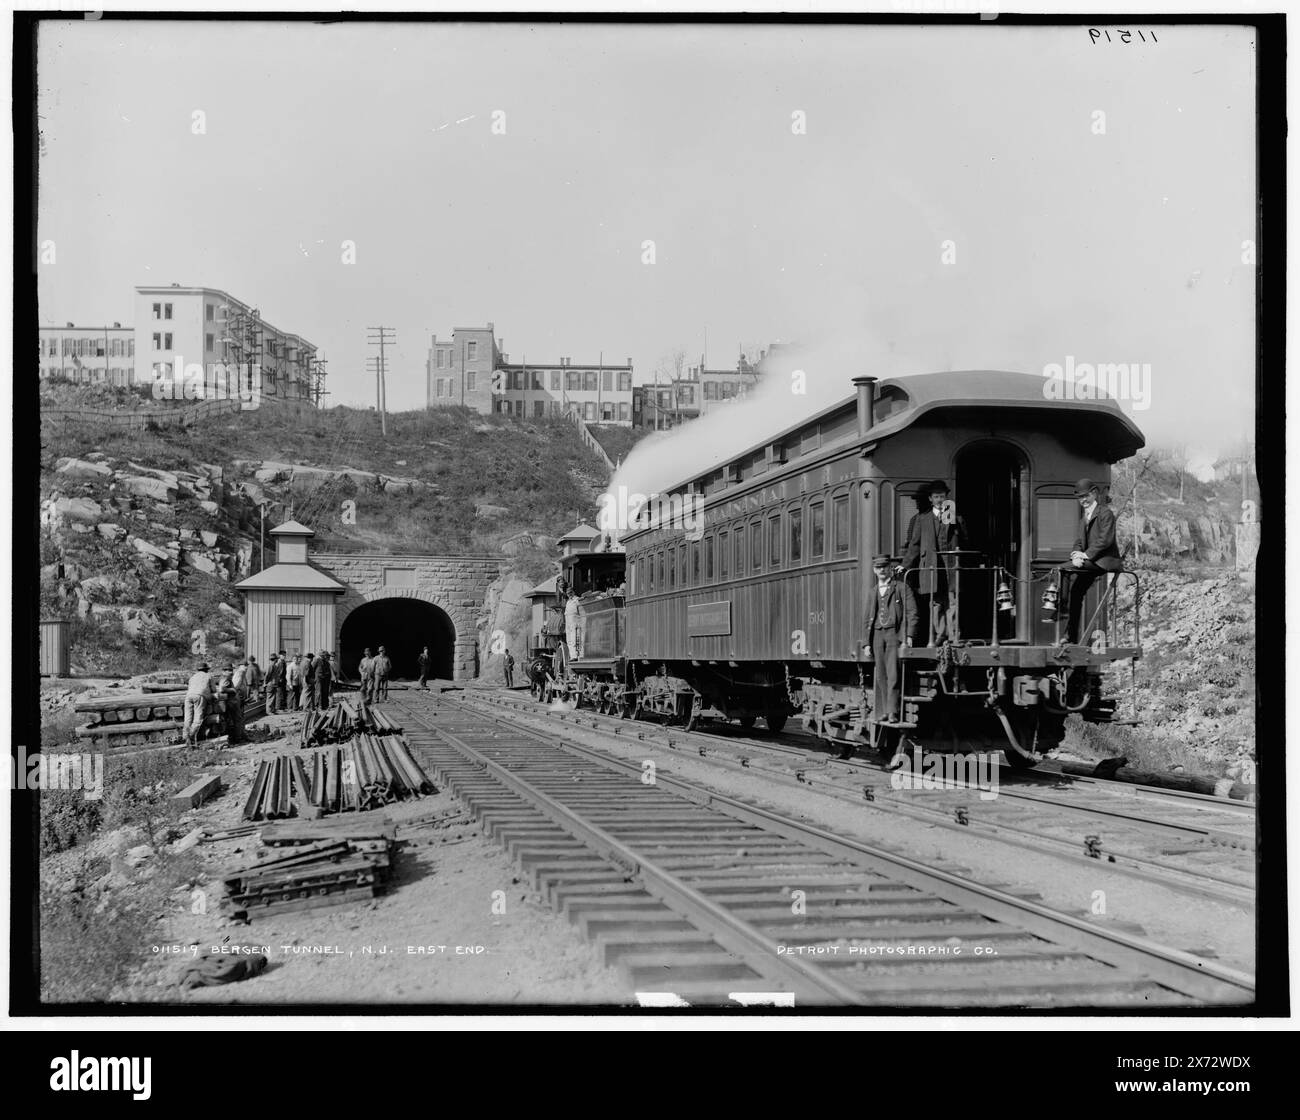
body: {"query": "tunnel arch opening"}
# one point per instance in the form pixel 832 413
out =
pixel 403 626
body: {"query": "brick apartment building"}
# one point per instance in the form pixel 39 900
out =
pixel 470 370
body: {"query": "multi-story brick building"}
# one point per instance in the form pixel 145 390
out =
pixel 103 354
pixel 459 371
pixel 471 370
pixel 209 327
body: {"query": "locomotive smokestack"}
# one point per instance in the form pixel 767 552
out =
pixel 866 387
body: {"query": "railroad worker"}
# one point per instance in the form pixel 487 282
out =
pixel 322 677
pixel 275 684
pixel 425 661
pixel 509 669
pixel 309 682
pixel 239 679
pixel 1095 553
pixel 572 624
pixel 234 707
pixel 293 682
pixel 891 623
pixel 198 698
pixel 383 670
pixel 254 679
pixel 367 669
pixel 929 534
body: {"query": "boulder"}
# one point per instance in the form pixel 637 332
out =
pixel 487 509
pixel 109 531
pixel 143 547
pixel 210 508
pixel 81 527
pixel 76 509
pixel 226 608
pixel 82 468
pixel 200 561
pixel 172 576
pixel 269 474
pixel 148 487
pixel 209 537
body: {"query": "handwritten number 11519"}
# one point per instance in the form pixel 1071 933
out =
pixel 1124 36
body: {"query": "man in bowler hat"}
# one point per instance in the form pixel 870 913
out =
pixel 891 623
pixel 929 534
pixel 1095 553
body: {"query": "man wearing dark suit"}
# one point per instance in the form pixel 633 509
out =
pixel 891 622
pixel 930 533
pixel 1095 553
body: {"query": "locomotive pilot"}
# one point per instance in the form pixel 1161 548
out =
pixel 891 623
pixel 929 534
pixel 1095 553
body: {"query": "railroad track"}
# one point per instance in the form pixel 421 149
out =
pixel 1190 843
pixel 714 900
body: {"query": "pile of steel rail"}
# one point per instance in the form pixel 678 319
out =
pixel 342 721
pixel 311 864
pixel 366 773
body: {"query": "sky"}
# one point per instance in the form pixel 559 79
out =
pixel 949 202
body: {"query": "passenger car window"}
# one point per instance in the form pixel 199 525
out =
pixel 842 529
pixel 816 531
pixel 796 535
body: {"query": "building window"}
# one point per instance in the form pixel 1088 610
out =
pixel 672 568
pixel 437 386
pixel 590 382
pixel 471 351
pixel 774 541
pixel 471 381
pixel 290 633
pixel 207 342
pixel 687 394
pixel 157 342
pixel 209 312
pixel 624 411
pixel 167 310
pixel 130 347
pixel 539 409
pixel 708 559
pixel 589 410
pixel 695 563
pixel 555 379
pixel 437 359
pixel 841 507
pixel 157 310
pixel 607 411
pixel 710 391
pixel 607 380
pixel 796 535
pixel 816 531
pixel 167 341
pixel 625 381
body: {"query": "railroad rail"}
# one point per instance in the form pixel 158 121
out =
pixel 1193 844
pixel 716 900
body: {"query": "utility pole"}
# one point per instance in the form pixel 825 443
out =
pixel 316 380
pixel 381 337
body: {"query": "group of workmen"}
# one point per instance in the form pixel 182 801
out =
pixel 376 669
pixel 935 539
pixel 289 684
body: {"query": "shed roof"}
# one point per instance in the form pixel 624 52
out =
pixel 580 532
pixel 290 577
pixel 295 528
pixel 547 588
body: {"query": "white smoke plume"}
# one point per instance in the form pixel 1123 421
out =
pixel 795 385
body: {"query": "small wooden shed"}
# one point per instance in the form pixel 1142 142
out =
pixel 55 648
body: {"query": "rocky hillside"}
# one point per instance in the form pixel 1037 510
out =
pixel 145 533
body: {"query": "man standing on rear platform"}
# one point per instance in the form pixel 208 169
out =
pixel 1095 553
pixel 929 535
pixel 891 623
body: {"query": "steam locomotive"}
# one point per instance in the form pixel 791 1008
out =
pixel 754 610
